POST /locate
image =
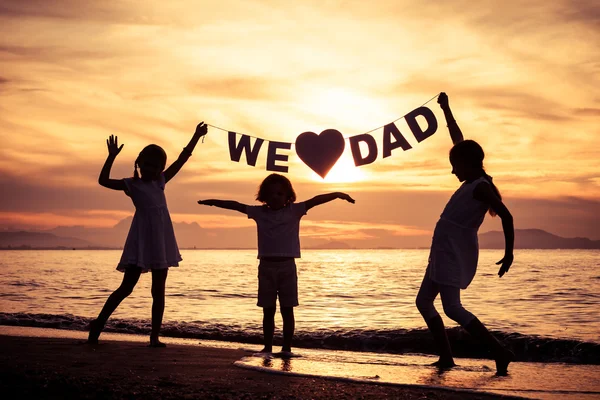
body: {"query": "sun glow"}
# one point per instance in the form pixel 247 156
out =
pixel 344 171
pixel 343 108
pixel 347 106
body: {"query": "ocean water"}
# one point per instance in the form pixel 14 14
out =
pixel 546 308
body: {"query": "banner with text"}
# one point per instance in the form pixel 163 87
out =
pixel 320 152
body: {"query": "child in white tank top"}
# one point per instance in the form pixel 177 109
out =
pixel 454 249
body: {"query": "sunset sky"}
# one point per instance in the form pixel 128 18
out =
pixel 523 81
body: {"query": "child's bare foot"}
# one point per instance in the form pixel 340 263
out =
pixel 95 328
pixel 503 361
pixel 444 364
pixel 286 354
pixel 156 343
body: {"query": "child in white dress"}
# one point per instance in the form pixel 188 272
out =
pixel 454 249
pixel 150 244
pixel 278 226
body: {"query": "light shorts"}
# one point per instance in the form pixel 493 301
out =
pixel 277 279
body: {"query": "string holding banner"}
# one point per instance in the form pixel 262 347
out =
pixel 320 152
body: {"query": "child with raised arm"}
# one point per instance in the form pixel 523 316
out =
pixel 454 249
pixel 150 244
pixel 278 227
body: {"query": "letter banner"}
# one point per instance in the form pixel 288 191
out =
pixel 320 152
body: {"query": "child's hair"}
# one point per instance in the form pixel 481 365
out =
pixel 276 179
pixel 153 152
pixel 470 153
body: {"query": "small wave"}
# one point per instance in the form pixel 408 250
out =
pixel 234 295
pixel 399 341
pixel 25 284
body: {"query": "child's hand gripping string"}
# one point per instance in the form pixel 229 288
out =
pixel 455 132
pixel 443 100
pixel 170 172
pixel 201 129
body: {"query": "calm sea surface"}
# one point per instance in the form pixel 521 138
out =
pixel 550 293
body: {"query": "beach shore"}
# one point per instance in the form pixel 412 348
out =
pixel 44 368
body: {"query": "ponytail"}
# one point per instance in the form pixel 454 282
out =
pixel 136 175
pixel 494 188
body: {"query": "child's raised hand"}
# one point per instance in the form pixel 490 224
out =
pixel 201 129
pixel 346 197
pixel 443 100
pixel 205 202
pixel 506 263
pixel 113 145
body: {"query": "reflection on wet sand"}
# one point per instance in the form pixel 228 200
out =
pixel 532 380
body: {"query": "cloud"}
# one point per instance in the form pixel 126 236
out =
pixel 587 112
pixel 521 77
pixel 247 88
pixel 114 12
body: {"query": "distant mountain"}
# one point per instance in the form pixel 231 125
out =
pixel 189 235
pixel 535 239
pixel 39 240
pixel 192 235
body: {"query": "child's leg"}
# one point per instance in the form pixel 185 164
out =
pixel 159 279
pixel 289 325
pixel 453 307
pixel 287 282
pixel 502 355
pixel 268 328
pixel 267 299
pixel 130 279
pixel 425 298
pixel 454 310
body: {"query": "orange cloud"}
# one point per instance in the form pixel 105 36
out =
pixel 521 79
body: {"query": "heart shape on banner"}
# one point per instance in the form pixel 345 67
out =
pixel 320 152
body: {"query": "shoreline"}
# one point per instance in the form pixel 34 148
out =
pixel 51 367
pixel 528 348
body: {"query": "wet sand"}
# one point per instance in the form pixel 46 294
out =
pixel 53 368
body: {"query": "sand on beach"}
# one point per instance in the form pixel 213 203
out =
pixel 43 368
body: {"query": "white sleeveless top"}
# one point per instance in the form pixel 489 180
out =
pixel 151 240
pixel 455 249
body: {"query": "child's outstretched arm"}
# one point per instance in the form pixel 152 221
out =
pixel 325 198
pixel 174 168
pixel 104 179
pixel 455 132
pixel 484 192
pixel 227 204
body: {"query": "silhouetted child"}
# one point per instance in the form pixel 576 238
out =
pixel 278 226
pixel 150 244
pixel 454 249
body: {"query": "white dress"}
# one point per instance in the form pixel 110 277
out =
pixel 455 248
pixel 151 240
